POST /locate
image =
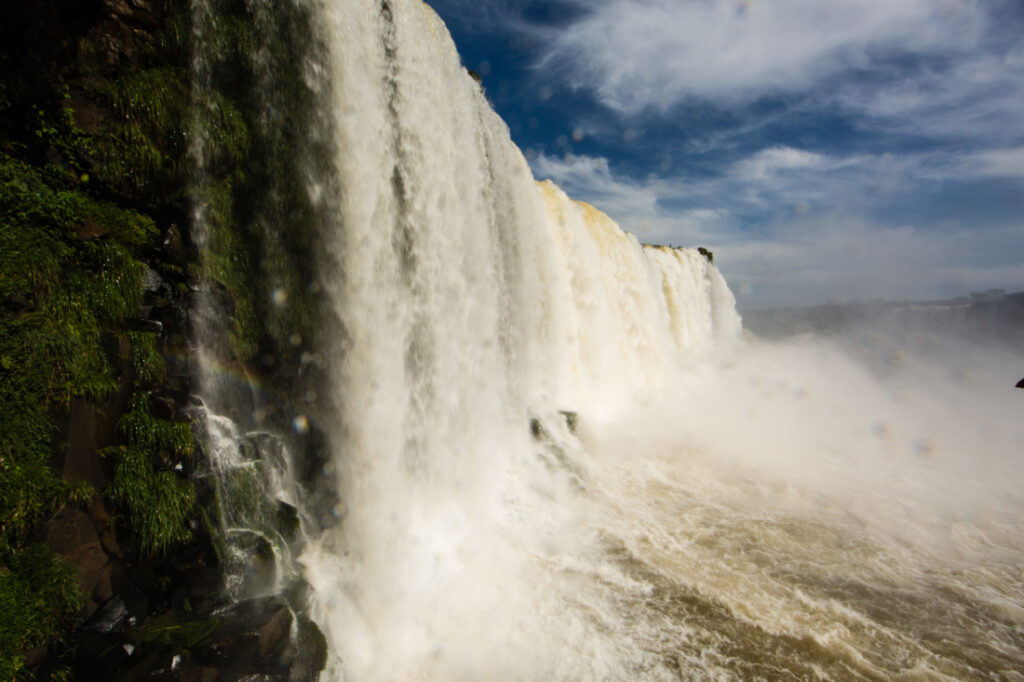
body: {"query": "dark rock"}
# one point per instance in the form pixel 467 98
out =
pixel 172 314
pixel 88 230
pixel 151 280
pixel 111 618
pixel 174 246
pixel 287 521
pixel 135 600
pixel 572 420
pixel 88 430
pixel 707 254
pixel 36 655
pixel 98 655
pixel 137 325
pixel 164 407
pixel 19 304
pixel 536 428
pixel 251 637
pixel 70 530
pixel 145 666
pixel 72 535
pixel 311 651
pixel 103 522
pixel 251 561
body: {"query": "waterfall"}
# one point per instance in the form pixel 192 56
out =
pixel 522 445
pixel 473 300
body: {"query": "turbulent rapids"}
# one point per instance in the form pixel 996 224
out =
pixel 557 458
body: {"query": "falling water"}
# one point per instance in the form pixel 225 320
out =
pixel 558 458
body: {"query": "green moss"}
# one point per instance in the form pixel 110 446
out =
pixel 159 502
pixel 149 366
pixel 61 293
pixel 145 141
pixel 39 599
pixel 228 259
pixel 172 441
pixel 169 631
pixel 68 280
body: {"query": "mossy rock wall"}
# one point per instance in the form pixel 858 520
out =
pixel 109 145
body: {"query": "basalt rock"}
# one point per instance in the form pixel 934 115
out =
pixel 73 535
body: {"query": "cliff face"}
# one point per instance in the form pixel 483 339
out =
pixel 109 561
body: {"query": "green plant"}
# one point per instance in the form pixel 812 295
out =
pixel 159 501
pixel 39 599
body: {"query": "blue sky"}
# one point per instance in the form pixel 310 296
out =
pixel 823 149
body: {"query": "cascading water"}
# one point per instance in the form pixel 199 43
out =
pixel 473 299
pixel 557 459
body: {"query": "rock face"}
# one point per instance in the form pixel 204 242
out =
pixel 73 535
pixel 95 93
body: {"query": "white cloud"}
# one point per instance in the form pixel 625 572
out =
pixel 1007 163
pixel 590 179
pixel 768 162
pixel 979 96
pixel 653 53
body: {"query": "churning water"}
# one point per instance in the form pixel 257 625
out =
pixel 559 458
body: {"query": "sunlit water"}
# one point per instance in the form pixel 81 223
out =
pixel 715 507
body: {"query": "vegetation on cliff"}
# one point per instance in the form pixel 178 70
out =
pixel 80 149
pixel 109 140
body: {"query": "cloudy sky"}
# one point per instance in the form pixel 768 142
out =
pixel 823 149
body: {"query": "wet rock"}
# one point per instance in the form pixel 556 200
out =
pixel 536 429
pixel 151 280
pixel 139 325
pixel 250 563
pixel 111 618
pixel 252 637
pixel 707 254
pixel 173 246
pixel 287 521
pixel 310 651
pixel 572 420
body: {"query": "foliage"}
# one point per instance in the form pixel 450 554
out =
pixel 145 359
pixel 159 502
pixel 70 276
pixel 39 599
pixel 60 296
pixel 144 142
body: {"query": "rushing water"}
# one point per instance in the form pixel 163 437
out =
pixel 558 458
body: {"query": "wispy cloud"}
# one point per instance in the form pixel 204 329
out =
pixel 1006 163
pixel 653 53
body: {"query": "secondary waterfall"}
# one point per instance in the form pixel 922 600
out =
pixel 556 458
